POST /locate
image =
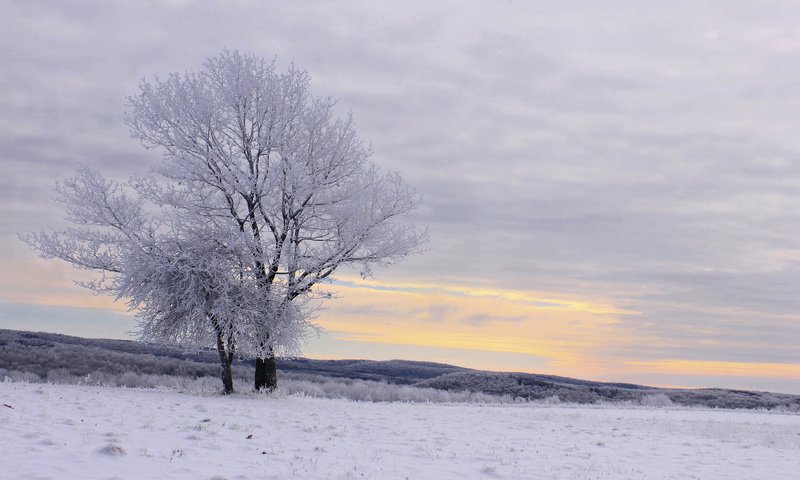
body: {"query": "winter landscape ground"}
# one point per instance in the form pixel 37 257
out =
pixel 70 431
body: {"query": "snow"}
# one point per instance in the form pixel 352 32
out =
pixel 68 431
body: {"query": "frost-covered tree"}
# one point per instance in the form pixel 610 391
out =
pixel 182 275
pixel 262 194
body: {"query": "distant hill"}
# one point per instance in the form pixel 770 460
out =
pixel 48 355
pixel 39 353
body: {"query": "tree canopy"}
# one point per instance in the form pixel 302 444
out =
pixel 262 193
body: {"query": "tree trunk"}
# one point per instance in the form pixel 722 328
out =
pixel 227 378
pixel 266 374
pixel 225 361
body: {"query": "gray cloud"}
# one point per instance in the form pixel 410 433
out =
pixel 647 154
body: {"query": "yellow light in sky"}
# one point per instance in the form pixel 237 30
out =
pixel 42 282
pixel 562 330
pixel 562 334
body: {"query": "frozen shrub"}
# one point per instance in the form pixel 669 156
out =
pixel 551 400
pixel 19 376
pixel 370 391
pixel 787 408
pixel 655 400
pixel 62 376
pixel 101 379
pixel 134 380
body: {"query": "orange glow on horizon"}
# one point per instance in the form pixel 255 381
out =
pixel 562 334
pixel 42 282
pixel 559 329
pixel 718 368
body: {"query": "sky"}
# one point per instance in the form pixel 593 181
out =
pixel 611 188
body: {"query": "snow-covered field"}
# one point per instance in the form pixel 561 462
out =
pixel 81 432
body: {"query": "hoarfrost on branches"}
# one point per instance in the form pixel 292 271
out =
pixel 261 195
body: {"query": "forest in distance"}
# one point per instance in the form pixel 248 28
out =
pixel 55 358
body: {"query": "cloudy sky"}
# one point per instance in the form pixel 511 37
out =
pixel 612 188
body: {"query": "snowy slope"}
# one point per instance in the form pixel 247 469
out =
pixel 66 432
